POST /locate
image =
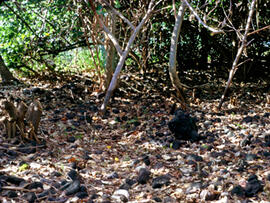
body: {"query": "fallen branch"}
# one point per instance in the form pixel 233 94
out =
pixel 18 189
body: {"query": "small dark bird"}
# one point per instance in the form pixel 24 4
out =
pixel 183 126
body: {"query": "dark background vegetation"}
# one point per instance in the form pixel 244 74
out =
pixel 44 38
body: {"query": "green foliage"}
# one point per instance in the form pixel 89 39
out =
pixel 78 60
pixel 24 167
pixel 34 33
pixel 36 30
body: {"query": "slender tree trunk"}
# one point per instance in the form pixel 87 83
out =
pixel 173 51
pixel 123 58
pixel 145 49
pixel 110 60
pixel 205 48
pixel 239 53
pixel 6 75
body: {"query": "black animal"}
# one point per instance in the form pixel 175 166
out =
pixel 183 126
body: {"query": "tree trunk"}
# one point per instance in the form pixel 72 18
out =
pixel 239 53
pixel 110 60
pixel 205 49
pixel 145 49
pixel 123 57
pixel 6 75
pixel 173 50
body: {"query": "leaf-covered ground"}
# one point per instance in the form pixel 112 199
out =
pixel 129 154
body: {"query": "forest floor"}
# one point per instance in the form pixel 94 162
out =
pixel 129 154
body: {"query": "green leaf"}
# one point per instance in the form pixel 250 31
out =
pixel 24 167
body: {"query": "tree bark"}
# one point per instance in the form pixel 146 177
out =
pixel 6 75
pixel 173 50
pixel 110 60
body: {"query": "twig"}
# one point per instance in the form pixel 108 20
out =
pixel 18 189
pixel 19 148
pixel 261 29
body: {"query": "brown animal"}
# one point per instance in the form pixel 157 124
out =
pixel 10 117
pixel 21 111
pixel 13 118
pixel 33 116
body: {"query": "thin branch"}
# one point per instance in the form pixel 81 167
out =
pixel 261 29
pixel 239 53
pixel 112 38
pixel 231 24
pixel 63 49
pixel 93 8
pixel 123 57
pixel 249 42
pixel 119 14
pixel 214 31
pixel 88 44
pixel 174 9
pixel 152 7
pixel 208 14
pixel 44 18
pixel 106 30
pixel 242 62
pixel 173 51
pixel 18 189
pixel 159 10
pixel 51 24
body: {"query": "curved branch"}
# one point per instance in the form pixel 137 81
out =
pixel 214 31
pixel 173 50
